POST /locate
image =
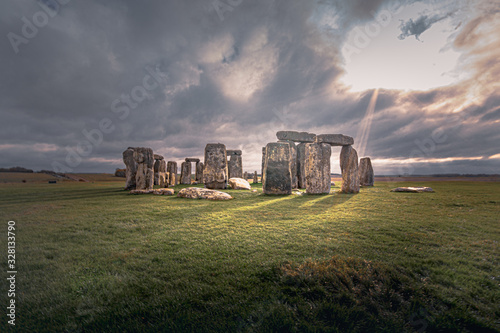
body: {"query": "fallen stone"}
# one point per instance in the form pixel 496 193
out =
pixel 295 136
pixel 335 139
pixel 160 191
pixel 122 173
pixel 365 172
pixel 317 168
pixel 215 173
pixel 349 168
pixel 203 193
pixel 239 184
pixel 413 189
pixel 277 178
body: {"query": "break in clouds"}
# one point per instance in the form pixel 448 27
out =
pixel 82 81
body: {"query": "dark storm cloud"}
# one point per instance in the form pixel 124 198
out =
pixel 235 77
pixel 419 26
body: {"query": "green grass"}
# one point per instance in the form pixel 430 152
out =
pixel 90 257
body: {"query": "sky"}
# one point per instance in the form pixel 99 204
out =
pixel 415 83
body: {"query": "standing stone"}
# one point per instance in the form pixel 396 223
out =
pixel 145 174
pixel 293 162
pixel 301 164
pixel 199 172
pixel 215 167
pixel 255 178
pixel 131 168
pixel 186 173
pixel 317 168
pixel 263 160
pixel 157 158
pixel 277 178
pixel 162 174
pixel 349 168
pixel 172 173
pixel 234 165
pixel 245 175
pixel 365 172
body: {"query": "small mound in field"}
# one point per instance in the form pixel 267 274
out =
pixel 348 293
pixel 160 191
pixel 413 189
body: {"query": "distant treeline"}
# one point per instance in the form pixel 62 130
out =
pixel 16 169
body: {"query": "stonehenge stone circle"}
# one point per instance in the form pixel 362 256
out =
pixel 234 165
pixel 277 178
pixel 366 172
pixel 295 136
pixel 172 173
pixel 317 168
pixel 199 172
pixel 293 162
pixel 349 168
pixel 186 173
pixel 131 168
pixel 301 160
pixel 215 173
pixel 145 174
pixel 335 139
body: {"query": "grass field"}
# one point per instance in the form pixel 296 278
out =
pixel 91 257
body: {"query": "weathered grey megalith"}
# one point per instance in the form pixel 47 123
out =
pixel 145 174
pixel 335 139
pixel 156 168
pixel 131 168
pixel 301 163
pixel 263 160
pixel 203 193
pixel 317 168
pixel 186 173
pixel 172 173
pixel 295 136
pixel 234 165
pixel 215 166
pixel 293 162
pixel 162 174
pixel 349 168
pixel 277 177
pixel 199 172
pixel 255 178
pixel 365 172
